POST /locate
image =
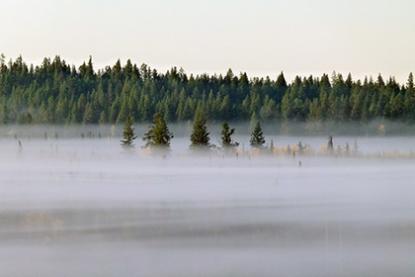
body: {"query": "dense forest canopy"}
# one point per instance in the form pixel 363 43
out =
pixel 55 92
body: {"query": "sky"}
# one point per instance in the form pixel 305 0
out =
pixel 261 37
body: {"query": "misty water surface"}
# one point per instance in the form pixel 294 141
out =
pixel 85 207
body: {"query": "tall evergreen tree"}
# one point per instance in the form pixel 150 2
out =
pixel 158 135
pixel 410 84
pixel 227 133
pixel 128 133
pixel 257 136
pixel 200 135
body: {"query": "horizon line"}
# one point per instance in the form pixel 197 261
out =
pixel 98 68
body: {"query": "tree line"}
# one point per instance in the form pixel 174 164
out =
pixel 59 93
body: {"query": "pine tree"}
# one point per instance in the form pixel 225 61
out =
pixel 128 133
pixel 158 134
pixel 200 135
pixel 410 84
pixel 227 133
pixel 257 136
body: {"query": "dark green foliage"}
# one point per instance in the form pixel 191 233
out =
pixel 158 135
pixel 55 92
pixel 227 133
pixel 257 136
pixel 200 135
pixel 128 133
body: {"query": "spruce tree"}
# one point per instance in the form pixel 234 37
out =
pixel 257 136
pixel 410 84
pixel 128 133
pixel 227 133
pixel 158 135
pixel 200 135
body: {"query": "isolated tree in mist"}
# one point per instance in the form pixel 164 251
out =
pixel 330 145
pixel 257 136
pixel 200 135
pixel 128 133
pixel 158 134
pixel 227 133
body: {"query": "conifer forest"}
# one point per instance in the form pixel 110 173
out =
pixel 56 92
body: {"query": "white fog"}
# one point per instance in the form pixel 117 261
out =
pixel 74 203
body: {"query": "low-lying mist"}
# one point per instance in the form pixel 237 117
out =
pixel 377 139
pixel 75 203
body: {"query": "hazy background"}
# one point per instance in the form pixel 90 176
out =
pixel 261 37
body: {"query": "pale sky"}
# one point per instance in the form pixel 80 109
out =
pixel 261 37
